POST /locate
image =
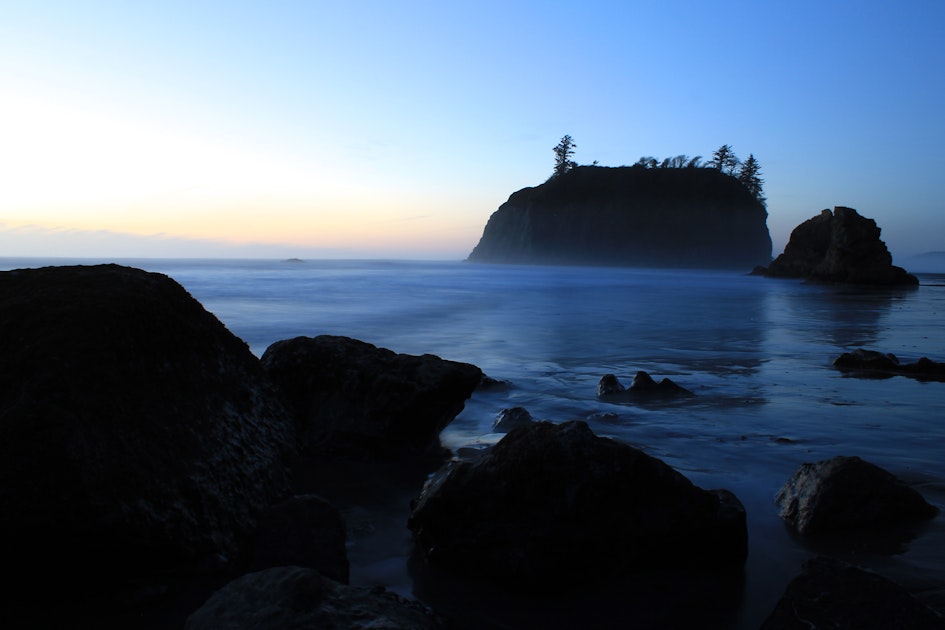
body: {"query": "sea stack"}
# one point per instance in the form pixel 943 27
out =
pixel 839 247
pixel 630 216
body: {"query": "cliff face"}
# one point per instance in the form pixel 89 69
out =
pixel 630 216
pixel 841 246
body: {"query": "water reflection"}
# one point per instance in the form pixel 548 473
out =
pixel 843 317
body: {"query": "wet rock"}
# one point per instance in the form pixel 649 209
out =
pixel 296 597
pixel 608 385
pixel 305 531
pixel 509 419
pixel 841 247
pixel 551 504
pixel 139 438
pixel 844 494
pixel 354 399
pixel 642 386
pixel 877 364
pixel 832 594
pixel 487 383
pixel 861 359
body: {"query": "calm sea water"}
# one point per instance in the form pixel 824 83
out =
pixel 756 352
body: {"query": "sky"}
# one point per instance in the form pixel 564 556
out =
pixel 362 129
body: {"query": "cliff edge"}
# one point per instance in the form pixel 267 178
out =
pixel 630 216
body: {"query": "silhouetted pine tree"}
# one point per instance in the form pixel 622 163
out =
pixel 750 177
pixel 724 159
pixel 563 152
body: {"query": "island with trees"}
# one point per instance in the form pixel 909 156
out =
pixel 675 212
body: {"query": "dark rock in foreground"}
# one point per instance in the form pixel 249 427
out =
pixel 352 398
pixel 294 597
pixel 831 594
pixel 840 247
pixel 878 364
pixel 139 441
pixel 630 216
pixel 304 531
pixel 552 505
pixel 642 386
pixel 509 419
pixel 846 494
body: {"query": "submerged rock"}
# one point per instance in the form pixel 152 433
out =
pixel 139 438
pixel 642 386
pixel 832 594
pixel 551 504
pixel 878 364
pixel 295 597
pixel 509 419
pixel 845 494
pixel 841 247
pixel 352 398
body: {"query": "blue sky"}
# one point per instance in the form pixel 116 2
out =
pixel 394 129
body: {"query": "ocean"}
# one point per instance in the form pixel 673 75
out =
pixel 756 352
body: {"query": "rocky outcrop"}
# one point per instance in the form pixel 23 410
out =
pixel 295 597
pixel 839 247
pixel 139 439
pixel 832 594
pixel 642 386
pixel 845 494
pixel 554 504
pixel 875 364
pixel 508 419
pixel 630 216
pixel 352 398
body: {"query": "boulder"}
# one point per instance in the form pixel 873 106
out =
pixel 508 419
pixel 832 594
pixel 840 247
pixel 296 597
pixel 877 364
pixel 140 440
pixel 642 386
pixel 554 504
pixel 845 494
pixel 305 531
pixel 354 399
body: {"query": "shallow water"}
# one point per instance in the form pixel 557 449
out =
pixel 756 352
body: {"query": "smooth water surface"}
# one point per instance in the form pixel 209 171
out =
pixel 756 352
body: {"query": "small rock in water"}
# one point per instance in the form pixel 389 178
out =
pixel 844 494
pixel 642 385
pixel 608 385
pixel 509 419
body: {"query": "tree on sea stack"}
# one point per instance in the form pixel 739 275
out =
pixel 750 177
pixel 563 152
pixel 724 159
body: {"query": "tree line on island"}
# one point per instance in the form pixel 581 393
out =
pixel 748 173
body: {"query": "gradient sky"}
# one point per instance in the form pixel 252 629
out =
pixel 394 129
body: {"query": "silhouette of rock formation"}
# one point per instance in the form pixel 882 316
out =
pixel 842 247
pixel 630 216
